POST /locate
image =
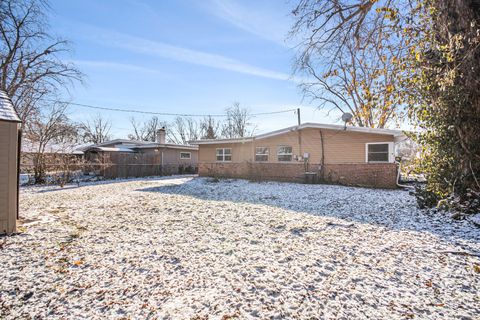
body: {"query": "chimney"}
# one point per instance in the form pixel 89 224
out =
pixel 161 135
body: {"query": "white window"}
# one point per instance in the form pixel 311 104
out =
pixel 224 154
pixel 185 155
pixel 379 152
pixel 284 153
pixel 261 154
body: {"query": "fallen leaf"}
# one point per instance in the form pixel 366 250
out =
pixel 78 262
pixel 476 268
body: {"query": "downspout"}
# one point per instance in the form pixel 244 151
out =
pixel 398 177
pixel 300 143
pixel 161 163
pixel 323 155
pixel 19 150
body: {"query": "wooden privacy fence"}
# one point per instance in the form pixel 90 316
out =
pixel 121 165
pixel 114 165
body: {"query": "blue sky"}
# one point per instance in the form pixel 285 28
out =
pixel 182 56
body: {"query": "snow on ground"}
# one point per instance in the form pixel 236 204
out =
pixel 192 248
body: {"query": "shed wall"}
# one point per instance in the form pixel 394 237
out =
pixel 8 176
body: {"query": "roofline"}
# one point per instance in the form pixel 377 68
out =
pixel 5 96
pixel 219 141
pixel 110 149
pixel 121 140
pixel 166 145
pixel 10 120
pixel 390 132
pixel 308 125
pixel 145 144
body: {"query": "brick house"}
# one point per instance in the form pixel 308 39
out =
pixel 308 152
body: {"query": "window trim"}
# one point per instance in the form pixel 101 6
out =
pixel 262 154
pixel 284 154
pixel 185 152
pixel 391 156
pixel 223 154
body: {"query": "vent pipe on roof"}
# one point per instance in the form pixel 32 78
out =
pixel 161 135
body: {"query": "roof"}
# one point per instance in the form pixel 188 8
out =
pixel 111 149
pixel 167 145
pixel 124 145
pixel 122 141
pixel 7 111
pixel 395 133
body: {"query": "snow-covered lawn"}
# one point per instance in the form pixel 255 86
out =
pixel 184 247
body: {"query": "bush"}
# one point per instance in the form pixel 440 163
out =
pixel 445 102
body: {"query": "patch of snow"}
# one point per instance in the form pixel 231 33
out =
pixel 476 219
pixel 24 179
pixel 184 247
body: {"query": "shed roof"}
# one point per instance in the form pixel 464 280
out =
pixel 7 111
pixel 308 125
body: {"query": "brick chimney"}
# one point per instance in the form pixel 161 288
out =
pixel 161 135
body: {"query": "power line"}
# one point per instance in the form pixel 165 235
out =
pixel 166 113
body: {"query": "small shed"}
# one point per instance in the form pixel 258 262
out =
pixel 9 164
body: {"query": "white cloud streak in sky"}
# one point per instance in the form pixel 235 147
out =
pixel 258 21
pixel 114 65
pixel 181 54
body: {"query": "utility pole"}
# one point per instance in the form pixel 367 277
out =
pixel 298 115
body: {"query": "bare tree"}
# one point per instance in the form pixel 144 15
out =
pixel 31 69
pixel 183 130
pixel 96 130
pixel 349 57
pixel 49 126
pixel 147 130
pixel 237 123
pixel 209 128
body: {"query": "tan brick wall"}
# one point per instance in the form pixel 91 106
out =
pixel 254 171
pixel 340 146
pixel 378 175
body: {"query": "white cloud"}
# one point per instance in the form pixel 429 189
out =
pixel 168 51
pixel 114 65
pixel 265 23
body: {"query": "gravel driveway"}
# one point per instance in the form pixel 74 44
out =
pixel 193 248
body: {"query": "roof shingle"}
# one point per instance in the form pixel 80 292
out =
pixel 7 111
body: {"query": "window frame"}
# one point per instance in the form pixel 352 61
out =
pixel 390 152
pixel 284 154
pixel 223 154
pixel 185 152
pixel 262 154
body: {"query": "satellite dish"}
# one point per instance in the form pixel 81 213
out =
pixel 346 117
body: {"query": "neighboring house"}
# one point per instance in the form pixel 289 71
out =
pixel 308 152
pixel 129 158
pixel 9 164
